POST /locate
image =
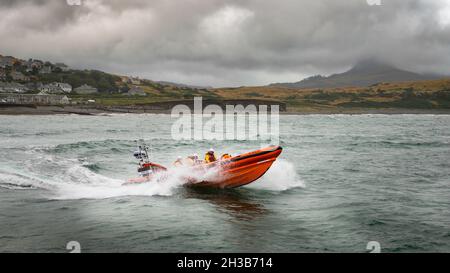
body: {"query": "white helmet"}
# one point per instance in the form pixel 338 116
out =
pixel 179 157
pixel 195 155
pixel 211 150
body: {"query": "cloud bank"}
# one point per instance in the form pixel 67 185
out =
pixel 228 42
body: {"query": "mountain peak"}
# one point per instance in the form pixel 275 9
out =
pixel 369 65
pixel 364 73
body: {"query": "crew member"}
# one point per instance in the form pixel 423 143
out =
pixel 193 160
pixel 225 156
pixel 197 160
pixel 178 162
pixel 210 156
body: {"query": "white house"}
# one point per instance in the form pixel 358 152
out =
pixel 62 66
pixel 85 89
pixel 135 80
pixel 45 70
pixel 34 99
pixel 65 87
pixel 6 87
pixel 136 91
pixel 64 100
pixel 51 88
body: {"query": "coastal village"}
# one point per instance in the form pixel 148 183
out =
pixel 33 82
pixel 36 84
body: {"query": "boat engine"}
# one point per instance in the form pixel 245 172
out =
pixel 140 154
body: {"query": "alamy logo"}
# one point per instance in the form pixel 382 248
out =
pixel 374 2
pixel 73 2
pixel 374 247
pixel 74 247
pixel 237 122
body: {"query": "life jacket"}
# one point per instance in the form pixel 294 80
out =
pixel 225 156
pixel 210 158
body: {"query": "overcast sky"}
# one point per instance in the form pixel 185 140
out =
pixel 228 42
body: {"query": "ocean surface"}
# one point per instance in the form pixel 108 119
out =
pixel 341 182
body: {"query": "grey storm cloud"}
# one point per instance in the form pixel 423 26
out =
pixel 228 43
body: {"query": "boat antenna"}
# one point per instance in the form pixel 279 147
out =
pixel 141 145
pixel 147 148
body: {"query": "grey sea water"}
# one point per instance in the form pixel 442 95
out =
pixel 341 182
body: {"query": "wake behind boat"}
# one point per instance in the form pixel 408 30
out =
pixel 227 172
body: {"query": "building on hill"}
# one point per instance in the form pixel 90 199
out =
pixel 67 88
pixel 85 89
pixel 134 80
pixel 33 64
pixel 34 99
pixel 42 88
pixel 52 88
pixel 64 87
pixel 12 87
pixel 45 70
pixel 62 66
pixel 136 91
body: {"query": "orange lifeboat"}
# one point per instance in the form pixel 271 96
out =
pixel 241 170
pixel 232 172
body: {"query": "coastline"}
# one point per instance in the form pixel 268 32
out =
pixel 101 110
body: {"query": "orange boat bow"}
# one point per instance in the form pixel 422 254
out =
pixel 243 169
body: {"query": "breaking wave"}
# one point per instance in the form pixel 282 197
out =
pixel 66 178
pixel 96 186
pixel 16 181
pixel 281 177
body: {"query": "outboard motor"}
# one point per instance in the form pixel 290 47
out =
pixel 140 155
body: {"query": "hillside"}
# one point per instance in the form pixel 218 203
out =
pixel 32 76
pixel 429 94
pixel 363 74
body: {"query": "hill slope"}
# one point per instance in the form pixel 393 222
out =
pixel 363 74
pixel 426 95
